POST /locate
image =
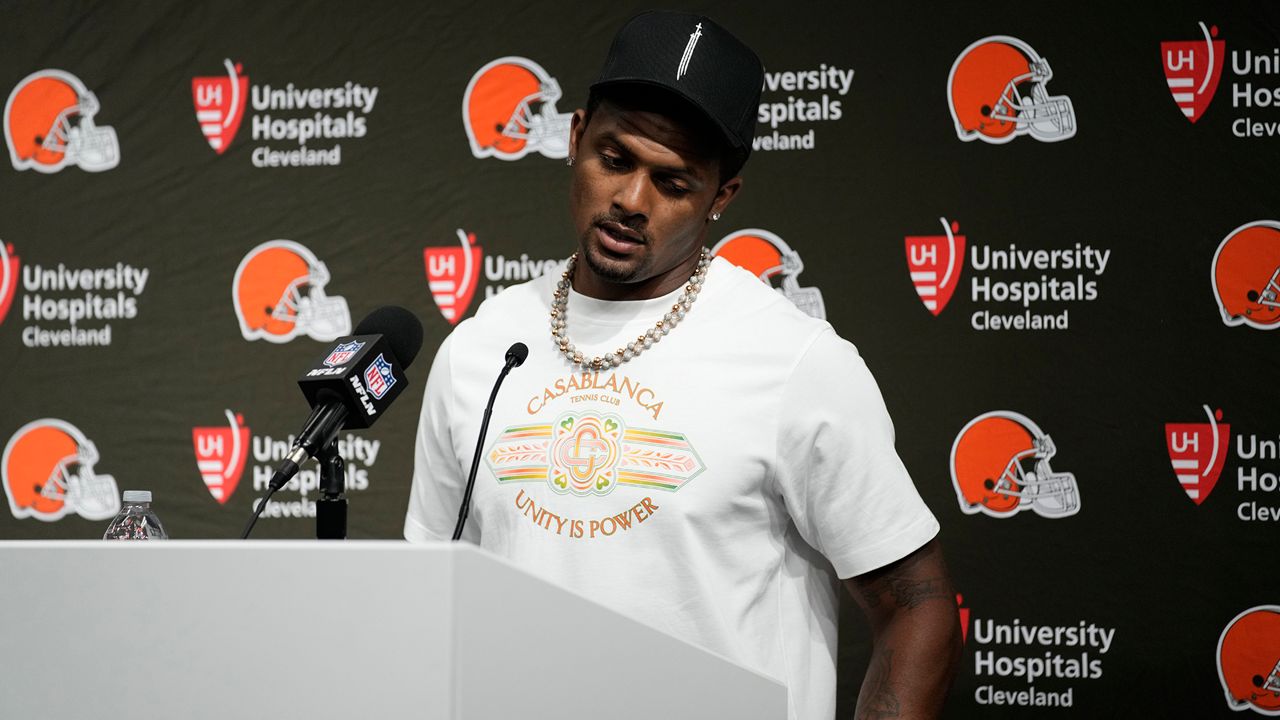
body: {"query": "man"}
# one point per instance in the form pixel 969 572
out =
pixel 684 445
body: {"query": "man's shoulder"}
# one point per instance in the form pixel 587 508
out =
pixel 763 312
pixel 510 315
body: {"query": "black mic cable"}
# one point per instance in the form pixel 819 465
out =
pixel 516 355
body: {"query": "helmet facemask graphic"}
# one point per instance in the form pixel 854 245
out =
pixel 1046 117
pixel 85 144
pixel 546 130
pixel 85 492
pixel 1051 493
pixel 305 303
pixel 1269 297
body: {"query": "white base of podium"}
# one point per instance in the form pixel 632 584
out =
pixel 209 629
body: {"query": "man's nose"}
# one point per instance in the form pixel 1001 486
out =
pixel 631 196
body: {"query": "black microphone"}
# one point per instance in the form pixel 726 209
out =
pixel 516 355
pixel 350 386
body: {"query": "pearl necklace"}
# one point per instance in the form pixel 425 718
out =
pixel 560 306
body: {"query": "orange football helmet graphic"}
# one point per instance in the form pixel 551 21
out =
pixel 48 124
pixel 1000 465
pixel 509 110
pixel 1246 275
pixel 769 258
pixel 278 293
pixel 997 92
pixel 48 473
pixel 1249 660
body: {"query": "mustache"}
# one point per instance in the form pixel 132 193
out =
pixel 634 224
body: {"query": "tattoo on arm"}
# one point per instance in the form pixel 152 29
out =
pixel 877 699
pixel 901 582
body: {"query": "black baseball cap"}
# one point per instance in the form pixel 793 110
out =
pixel 697 60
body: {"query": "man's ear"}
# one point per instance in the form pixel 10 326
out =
pixel 725 195
pixel 577 126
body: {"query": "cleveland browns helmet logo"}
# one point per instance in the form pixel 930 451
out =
pixel 48 473
pixel 48 124
pixel 1246 276
pixel 1000 465
pixel 509 111
pixel 1249 660
pixel 997 91
pixel 278 293
pixel 769 258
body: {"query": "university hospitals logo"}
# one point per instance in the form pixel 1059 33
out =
pixel 278 293
pixel 509 110
pixel 1000 466
pixel 9 272
pixel 1248 659
pixel 1197 452
pixel 219 103
pixel 998 90
pixel 452 275
pixel 48 125
pixel 221 453
pixel 292 125
pixel 935 262
pixel 769 258
pixel 1023 661
pixel 1192 69
pixel 1246 276
pixel 589 454
pixel 48 473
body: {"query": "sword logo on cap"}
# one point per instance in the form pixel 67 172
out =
pixel 688 52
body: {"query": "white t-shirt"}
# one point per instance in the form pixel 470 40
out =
pixel 688 488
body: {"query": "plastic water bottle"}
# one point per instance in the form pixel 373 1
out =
pixel 136 521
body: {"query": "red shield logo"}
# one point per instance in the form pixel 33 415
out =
pixel 8 278
pixel 220 455
pixel 452 274
pixel 220 105
pixel 935 262
pixel 1192 69
pixel 1197 452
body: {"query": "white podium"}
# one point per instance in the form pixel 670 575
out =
pixel 238 630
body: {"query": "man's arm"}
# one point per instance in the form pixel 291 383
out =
pixel 915 634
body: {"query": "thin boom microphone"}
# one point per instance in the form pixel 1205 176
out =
pixel 516 355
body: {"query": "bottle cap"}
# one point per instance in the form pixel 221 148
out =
pixel 137 496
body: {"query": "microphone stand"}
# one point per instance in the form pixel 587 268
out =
pixel 331 508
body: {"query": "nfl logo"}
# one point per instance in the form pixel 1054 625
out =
pixel 342 354
pixel 378 377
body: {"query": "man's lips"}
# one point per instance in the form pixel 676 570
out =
pixel 617 238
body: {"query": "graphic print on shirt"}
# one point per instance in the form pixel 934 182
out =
pixel 585 453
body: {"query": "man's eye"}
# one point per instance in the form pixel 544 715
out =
pixel 675 188
pixel 611 161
